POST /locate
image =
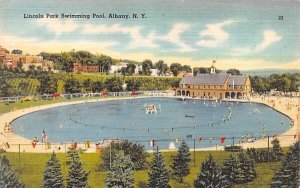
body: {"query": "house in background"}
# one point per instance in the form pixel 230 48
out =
pixel 16 57
pixel 138 69
pixel 79 68
pixel 117 67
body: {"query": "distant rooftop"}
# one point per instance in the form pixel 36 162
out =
pixel 214 79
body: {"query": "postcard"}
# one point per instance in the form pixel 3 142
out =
pixel 184 93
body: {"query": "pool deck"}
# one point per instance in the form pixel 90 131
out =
pixel 287 106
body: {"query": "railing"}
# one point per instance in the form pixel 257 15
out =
pixel 82 95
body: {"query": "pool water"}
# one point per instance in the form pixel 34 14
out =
pixel 175 120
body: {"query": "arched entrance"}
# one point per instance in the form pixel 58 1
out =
pixel 183 93
pixel 227 95
pixel 232 95
pixel 188 93
pixel 239 95
pixel 178 93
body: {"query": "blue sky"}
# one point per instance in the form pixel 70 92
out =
pixel 239 34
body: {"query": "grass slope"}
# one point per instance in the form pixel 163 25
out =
pixel 31 166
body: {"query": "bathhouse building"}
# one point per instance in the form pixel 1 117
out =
pixel 215 86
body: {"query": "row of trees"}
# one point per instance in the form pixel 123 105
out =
pixel 284 82
pixel 117 84
pixel 161 66
pixel 264 156
pixel 77 176
pixel 48 82
pixel 122 158
pixel 64 61
pixel 237 169
pixel 126 157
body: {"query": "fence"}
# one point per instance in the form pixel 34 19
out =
pixel 33 164
pixel 82 95
pixel 195 144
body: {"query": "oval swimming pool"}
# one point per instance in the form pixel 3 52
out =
pixel 203 121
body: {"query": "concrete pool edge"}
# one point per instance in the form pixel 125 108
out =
pixel 14 140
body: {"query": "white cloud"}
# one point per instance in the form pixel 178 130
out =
pixel 59 27
pixel 216 33
pixel 269 38
pixel 174 36
pixel 134 32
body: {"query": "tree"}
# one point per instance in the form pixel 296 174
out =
pixel 146 66
pixel 48 84
pixel 66 61
pixel 284 83
pixel 52 175
pixel 4 161
pixel 76 177
pixel 180 164
pixel 72 86
pixel 195 71
pixel 228 167
pixel 288 175
pixel 39 69
pixel 123 71
pixel 259 84
pixel 5 89
pixel 211 175
pixel 239 169
pixel 19 67
pixel 203 70
pixel 87 85
pixel 248 167
pixel 8 177
pixel 135 151
pixel 31 68
pixel 114 84
pixel 158 175
pixel 130 69
pixel 277 151
pixel 106 62
pixel 97 86
pixel 121 172
pixel 233 72
pixel 175 68
pixel 133 85
pixel 162 67
pixel 186 68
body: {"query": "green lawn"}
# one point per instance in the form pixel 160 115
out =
pixel 4 108
pixel 31 166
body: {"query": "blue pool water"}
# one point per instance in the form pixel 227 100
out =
pixel 126 119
